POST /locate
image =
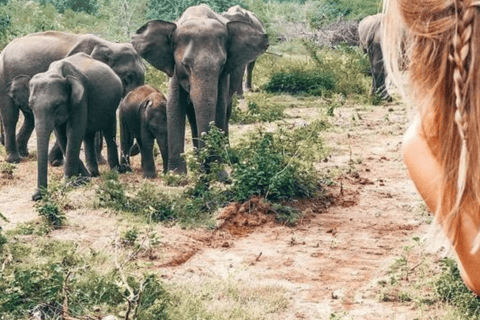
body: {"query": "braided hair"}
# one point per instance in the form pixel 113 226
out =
pixel 440 41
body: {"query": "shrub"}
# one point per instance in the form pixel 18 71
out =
pixel 313 82
pixel 88 6
pixel 171 10
pixel 451 288
pixel 267 111
pixel 326 13
pixel 49 207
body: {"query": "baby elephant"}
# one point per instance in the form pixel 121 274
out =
pixel 143 116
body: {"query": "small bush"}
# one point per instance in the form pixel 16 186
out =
pixel 171 10
pixel 326 13
pixel 50 208
pixel 265 112
pixel 312 82
pixel 451 288
pixel 87 6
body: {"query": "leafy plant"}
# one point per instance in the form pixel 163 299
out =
pixel 87 6
pixel 171 10
pixel 451 288
pixel 49 206
pixel 295 82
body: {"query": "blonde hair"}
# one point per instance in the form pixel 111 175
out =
pixel 438 41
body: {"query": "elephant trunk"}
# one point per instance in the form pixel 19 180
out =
pixel 44 130
pixel 203 95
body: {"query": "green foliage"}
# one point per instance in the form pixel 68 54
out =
pixel 286 214
pixel 154 299
pixel 451 288
pixel 171 10
pixel 49 206
pixel 327 12
pixel 147 201
pixel 87 6
pixel 313 82
pixel 264 111
pixel 3 239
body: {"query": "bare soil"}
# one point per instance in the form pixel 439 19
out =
pixel 329 262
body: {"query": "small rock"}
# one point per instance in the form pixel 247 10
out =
pixel 110 317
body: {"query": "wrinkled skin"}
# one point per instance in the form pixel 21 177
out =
pixel 33 54
pixel 200 52
pixel 369 31
pixel 143 117
pixel 76 97
pixel 237 13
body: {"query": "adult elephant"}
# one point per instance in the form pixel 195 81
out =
pixel 34 53
pixel 237 13
pixel 200 52
pixel 370 35
pixel 77 97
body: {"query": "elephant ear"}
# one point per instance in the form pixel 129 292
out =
pixel 245 44
pixel 154 42
pixel 86 45
pixel 102 53
pixel 77 91
pixel 20 83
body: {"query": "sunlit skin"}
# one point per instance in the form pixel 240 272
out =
pixel 425 172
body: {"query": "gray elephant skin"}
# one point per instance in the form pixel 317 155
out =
pixel 370 35
pixel 76 97
pixel 199 52
pixel 237 13
pixel 143 117
pixel 34 53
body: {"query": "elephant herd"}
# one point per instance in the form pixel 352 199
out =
pixel 73 85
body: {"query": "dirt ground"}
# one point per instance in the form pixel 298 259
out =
pixel 329 263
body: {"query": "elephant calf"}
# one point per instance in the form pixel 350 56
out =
pixel 143 116
pixel 77 96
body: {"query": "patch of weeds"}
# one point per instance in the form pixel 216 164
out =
pixel 50 206
pixel 6 169
pixel 296 82
pixel 286 214
pixel 451 288
pixel 3 239
pixel 129 237
pixel 266 111
pixel 175 180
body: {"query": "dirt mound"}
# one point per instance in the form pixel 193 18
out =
pixel 240 219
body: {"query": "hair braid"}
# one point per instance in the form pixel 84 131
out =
pixel 461 59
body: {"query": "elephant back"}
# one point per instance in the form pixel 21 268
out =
pixel 369 30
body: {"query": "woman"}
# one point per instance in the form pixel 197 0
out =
pixel 440 41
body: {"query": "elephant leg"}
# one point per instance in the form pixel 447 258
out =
pixel 25 133
pixel 176 110
pixel 55 156
pixel 146 149
pixel 378 71
pixel 112 151
pixel 236 78
pixel 126 142
pixel 91 153
pixel 2 135
pixel 9 114
pixel 99 147
pixel 162 141
pixel 248 82
pixel 69 144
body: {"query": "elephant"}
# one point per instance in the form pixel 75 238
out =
pixel 143 116
pixel 34 53
pixel 370 35
pixel 76 97
pixel 237 13
pixel 201 52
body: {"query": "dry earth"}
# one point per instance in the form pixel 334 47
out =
pixel 329 263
